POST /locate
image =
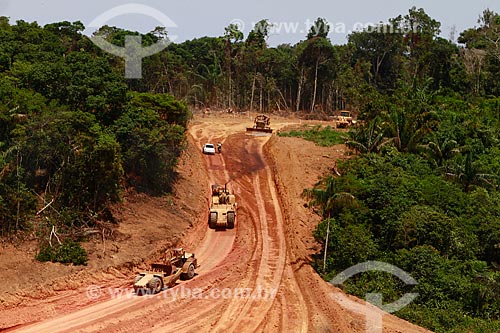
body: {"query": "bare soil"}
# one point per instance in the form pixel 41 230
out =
pixel 256 277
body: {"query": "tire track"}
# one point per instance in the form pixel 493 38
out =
pixel 262 247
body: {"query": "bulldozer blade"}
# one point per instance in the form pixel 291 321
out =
pixel 266 130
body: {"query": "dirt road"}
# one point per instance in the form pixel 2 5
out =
pixel 252 278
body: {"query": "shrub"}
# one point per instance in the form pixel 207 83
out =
pixel 69 252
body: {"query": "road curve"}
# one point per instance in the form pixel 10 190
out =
pixel 246 282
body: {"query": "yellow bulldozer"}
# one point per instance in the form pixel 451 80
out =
pixel 176 264
pixel 261 124
pixel 344 119
pixel 223 205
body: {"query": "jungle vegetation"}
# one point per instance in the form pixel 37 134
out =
pixel 421 192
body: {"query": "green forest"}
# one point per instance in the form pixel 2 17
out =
pixel 74 135
pixel 420 191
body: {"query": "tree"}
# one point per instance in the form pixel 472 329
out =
pixel 257 37
pixel 481 55
pixel 420 40
pixel 233 34
pixel 329 200
pixel 468 174
pixel 383 51
pixel 152 136
pixel 60 99
pixel 320 29
pixel 355 245
pixel 438 150
pixel 166 106
pixel 69 157
pixel 423 225
pixel 404 131
pixel 316 55
pixel 367 138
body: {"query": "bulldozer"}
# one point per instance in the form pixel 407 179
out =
pixel 176 264
pixel 261 124
pixel 344 119
pixel 222 212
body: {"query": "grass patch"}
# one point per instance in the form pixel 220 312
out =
pixel 324 137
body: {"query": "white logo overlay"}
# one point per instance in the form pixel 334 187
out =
pixel 374 318
pixel 133 52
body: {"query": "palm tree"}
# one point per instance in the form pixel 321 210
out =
pixel 209 76
pixel 468 174
pixel 438 150
pixel 329 202
pixel 404 130
pixel 366 139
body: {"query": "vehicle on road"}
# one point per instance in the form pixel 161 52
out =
pixel 222 212
pixel 261 123
pixel 176 264
pixel 209 148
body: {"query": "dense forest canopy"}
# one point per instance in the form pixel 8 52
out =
pixel 73 132
pixel 421 193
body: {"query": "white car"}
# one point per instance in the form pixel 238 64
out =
pixel 209 148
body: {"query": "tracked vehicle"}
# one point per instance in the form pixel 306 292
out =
pixel 261 124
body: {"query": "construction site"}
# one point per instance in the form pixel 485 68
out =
pixel 256 235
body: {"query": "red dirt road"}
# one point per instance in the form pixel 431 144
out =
pixel 252 278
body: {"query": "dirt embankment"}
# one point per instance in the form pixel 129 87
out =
pixel 294 170
pixel 147 225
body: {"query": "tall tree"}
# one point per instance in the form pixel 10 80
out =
pixel 383 51
pixel 318 51
pixel 420 39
